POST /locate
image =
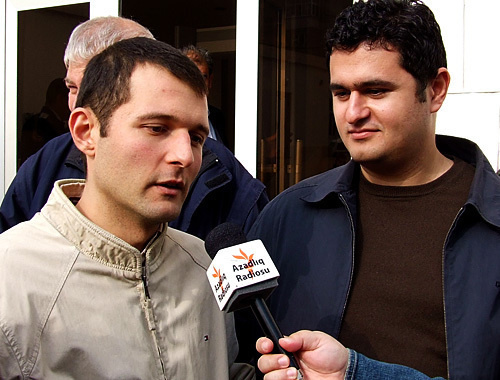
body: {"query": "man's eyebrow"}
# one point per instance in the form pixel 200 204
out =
pixel 375 83
pixel 68 81
pixel 156 115
pixel 335 86
pixel 366 84
pixel 202 129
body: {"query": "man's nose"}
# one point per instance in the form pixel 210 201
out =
pixel 180 149
pixel 357 108
pixel 71 101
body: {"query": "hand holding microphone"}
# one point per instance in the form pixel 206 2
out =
pixel 323 356
pixel 242 274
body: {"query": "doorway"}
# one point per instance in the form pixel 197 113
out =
pixel 42 101
pixel 44 32
pixel 296 129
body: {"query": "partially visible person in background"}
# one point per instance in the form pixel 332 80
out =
pixel 224 191
pixel 202 58
pixel 50 122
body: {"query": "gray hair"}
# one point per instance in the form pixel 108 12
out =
pixel 93 36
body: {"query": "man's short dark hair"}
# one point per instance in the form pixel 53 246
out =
pixel 199 55
pixel 106 82
pixel 408 26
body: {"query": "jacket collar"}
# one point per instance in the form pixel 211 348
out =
pixel 89 238
pixel 75 159
pixel 484 192
pixel 219 177
pixel 332 182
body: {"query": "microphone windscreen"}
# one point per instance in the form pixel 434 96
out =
pixel 223 236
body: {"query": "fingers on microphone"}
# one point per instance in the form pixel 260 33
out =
pixel 282 374
pixel 264 345
pixel 273 362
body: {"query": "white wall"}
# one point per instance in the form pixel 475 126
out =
pixel 471 34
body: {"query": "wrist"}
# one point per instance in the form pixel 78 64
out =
pixel 350 367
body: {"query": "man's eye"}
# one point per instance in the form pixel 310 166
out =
pixel 376 91
pixel 341 94
pixel 157 129
pixel 197 139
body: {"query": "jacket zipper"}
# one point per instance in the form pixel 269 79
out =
pixel 148 310
pixel 460 212
pixel 342 199
pixel 144 277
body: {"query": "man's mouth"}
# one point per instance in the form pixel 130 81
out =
pixel 171 185
pixel 362 133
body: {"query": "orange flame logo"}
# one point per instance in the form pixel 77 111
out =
pixel 245 257
pixel 218 275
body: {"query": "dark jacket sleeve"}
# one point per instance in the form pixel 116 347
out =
pixel 33 183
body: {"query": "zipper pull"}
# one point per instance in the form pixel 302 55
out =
pixel 144 277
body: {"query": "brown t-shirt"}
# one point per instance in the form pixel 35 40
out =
pixel 395 309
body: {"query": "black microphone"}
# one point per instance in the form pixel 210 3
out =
pixel 242 274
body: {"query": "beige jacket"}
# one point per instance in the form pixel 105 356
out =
pixel 78 303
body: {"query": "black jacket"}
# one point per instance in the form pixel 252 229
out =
pixel 309 231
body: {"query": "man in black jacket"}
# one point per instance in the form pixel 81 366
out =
pixel 395 254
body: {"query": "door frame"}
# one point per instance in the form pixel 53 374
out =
pixel 246 95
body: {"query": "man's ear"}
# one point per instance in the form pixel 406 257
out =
pixel 439 88
pixel 83 126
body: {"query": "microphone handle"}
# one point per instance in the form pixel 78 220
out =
pixel 270 328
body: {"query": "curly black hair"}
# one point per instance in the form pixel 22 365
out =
pixel 406 26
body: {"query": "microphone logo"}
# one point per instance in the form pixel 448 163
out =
pixel 247 259
pixel 240 266
pixel 219 284
pixel 219 289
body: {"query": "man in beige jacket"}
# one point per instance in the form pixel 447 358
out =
pixel 96 285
